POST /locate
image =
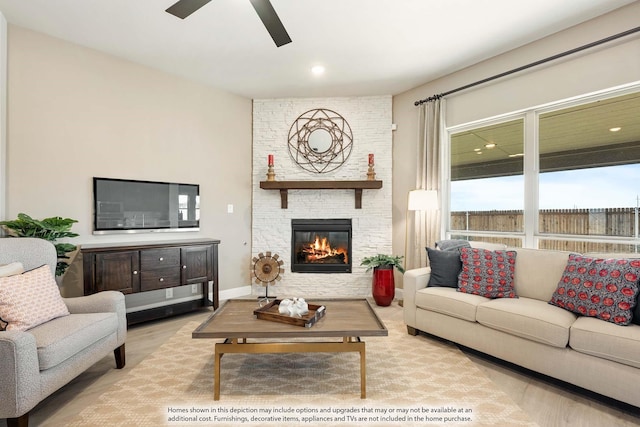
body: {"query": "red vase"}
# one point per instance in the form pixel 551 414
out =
pixel 383 286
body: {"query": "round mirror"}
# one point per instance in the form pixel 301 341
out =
pixel 319 140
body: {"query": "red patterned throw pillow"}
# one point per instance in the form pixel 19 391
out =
pixel 598 287
pixel 487 273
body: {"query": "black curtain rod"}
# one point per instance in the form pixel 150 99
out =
pixel 533 64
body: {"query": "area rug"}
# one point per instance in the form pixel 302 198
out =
pixel 410 381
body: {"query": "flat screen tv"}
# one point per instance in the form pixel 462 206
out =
pixel 129 206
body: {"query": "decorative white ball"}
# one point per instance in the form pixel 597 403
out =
pixel 296 307
pixel 283 308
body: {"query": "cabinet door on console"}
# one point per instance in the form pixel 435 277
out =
pixel 117 271
pixel 196 264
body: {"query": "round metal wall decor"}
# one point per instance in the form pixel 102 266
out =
pixel 320 140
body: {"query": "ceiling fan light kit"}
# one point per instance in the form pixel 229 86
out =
pixel 263 8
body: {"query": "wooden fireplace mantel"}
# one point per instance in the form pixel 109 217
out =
pixel 285 186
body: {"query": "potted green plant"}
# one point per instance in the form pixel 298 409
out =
pixel 383 285
pixel 50 229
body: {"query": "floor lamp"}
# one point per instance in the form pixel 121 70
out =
pixel 418 200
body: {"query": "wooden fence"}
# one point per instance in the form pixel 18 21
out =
pixel 609 222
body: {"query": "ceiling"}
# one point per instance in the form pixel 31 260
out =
pixel 369 47
pixel 599 133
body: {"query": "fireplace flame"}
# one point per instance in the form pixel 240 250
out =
pixel 321 249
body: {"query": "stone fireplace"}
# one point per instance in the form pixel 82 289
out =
pixel 371 233
pixel 321 245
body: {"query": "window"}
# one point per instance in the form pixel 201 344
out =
pixel 487 181
pixel 585 197
pixel 589 160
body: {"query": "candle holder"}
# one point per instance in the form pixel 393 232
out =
pixel 271 175
pixel 371 174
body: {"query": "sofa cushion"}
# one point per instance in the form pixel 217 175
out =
pixel 527 318
pixel 445 267
pixel 450 302
pixel 30 299
pixel 606 340
pixel 61 338
pixel 599 287
pixel 486 245
pixel 452 244
pixel 538 272
pixel 487 273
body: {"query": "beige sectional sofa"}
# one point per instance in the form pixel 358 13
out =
pixel 528 331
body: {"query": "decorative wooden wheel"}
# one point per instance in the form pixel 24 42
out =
pixel 267 269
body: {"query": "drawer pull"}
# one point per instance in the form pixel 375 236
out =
pixel 162 279
pixel 184 267
pixel 135 271
pixel 161 259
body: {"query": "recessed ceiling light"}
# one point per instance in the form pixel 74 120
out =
pixel 478 152
pixel 516 155
pixel 476 149
pixel 616 129
pixel 317 70
pixel 490 145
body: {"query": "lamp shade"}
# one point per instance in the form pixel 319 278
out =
pixel 423 200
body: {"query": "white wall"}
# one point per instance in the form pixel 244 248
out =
pixel 370 121
pixel 75 113
pixel 607 66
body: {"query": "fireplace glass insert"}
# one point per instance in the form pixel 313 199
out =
pixel 321 245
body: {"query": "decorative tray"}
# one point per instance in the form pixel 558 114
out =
pixel 270 312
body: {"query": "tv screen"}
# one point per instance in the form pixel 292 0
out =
pixel 129 206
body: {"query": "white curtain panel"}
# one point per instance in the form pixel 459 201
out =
pixel 423 227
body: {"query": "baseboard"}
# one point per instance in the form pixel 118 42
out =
pixel 234 293
pixel 162 312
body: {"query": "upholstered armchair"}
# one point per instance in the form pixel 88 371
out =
pixel 37 361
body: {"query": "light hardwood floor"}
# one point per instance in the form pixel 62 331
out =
pixel 547 402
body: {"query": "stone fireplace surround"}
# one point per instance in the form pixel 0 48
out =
pixel 370 119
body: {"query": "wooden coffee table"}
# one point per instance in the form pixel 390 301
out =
pixel 348 319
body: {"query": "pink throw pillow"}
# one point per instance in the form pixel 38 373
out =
pixel 30 299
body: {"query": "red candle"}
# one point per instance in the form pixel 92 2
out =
pixel 270 160
pixel 371 159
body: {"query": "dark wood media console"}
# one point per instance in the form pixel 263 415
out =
pixel 146 266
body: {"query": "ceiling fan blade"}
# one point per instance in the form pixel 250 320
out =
pixel 184 8
pixel 271 21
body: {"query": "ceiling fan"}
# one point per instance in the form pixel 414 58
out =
pixel 264 9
